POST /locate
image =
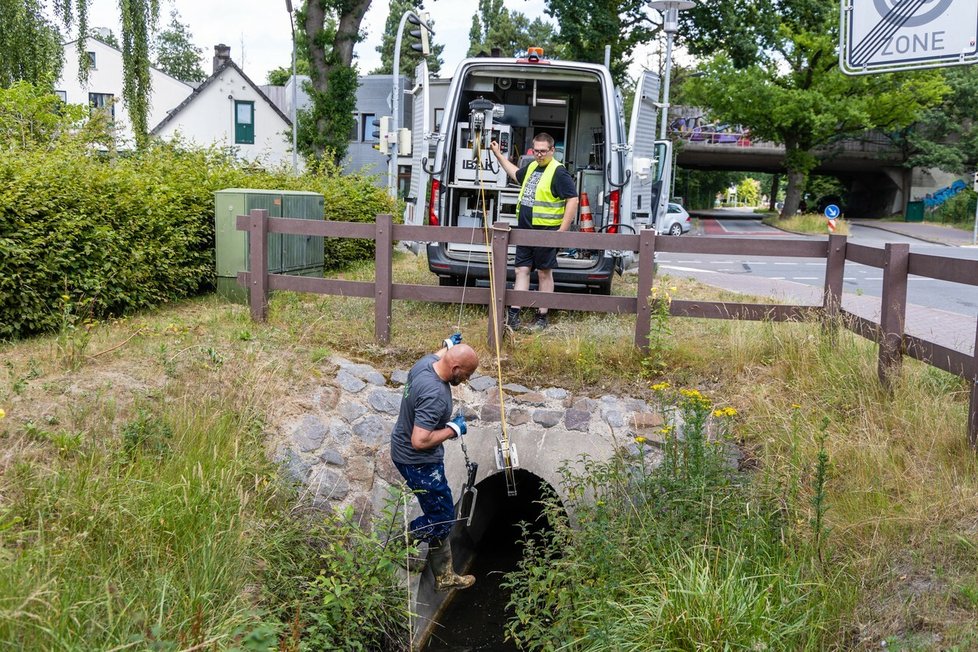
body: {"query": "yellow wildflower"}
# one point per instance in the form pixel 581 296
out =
pixel 640 440
pixel 725 412
pixel 665 430
pixel 674 289
pixel 2 413
pixel 658 387
pixel 795 406
pixel 65 298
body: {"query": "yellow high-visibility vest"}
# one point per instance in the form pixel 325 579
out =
pixel 548 209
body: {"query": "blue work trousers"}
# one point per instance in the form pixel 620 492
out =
pixel 428 483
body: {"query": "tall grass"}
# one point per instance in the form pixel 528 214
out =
pixel 149 539
pixel 137 506
pixel 680 555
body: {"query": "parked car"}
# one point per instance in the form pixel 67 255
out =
pixel 675 222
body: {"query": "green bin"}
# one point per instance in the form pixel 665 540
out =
pixel 914 212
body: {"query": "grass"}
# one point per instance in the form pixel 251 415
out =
pixel 137 506
pixel 810 223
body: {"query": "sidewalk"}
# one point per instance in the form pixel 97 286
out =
pixel 927 231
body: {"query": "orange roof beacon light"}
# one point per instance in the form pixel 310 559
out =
pixel 534 54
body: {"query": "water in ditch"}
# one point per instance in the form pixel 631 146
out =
pixel 476 618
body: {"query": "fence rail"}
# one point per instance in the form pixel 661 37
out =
pixel 895 260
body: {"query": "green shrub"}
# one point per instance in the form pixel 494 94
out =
pixel 959 209
pixel 123 233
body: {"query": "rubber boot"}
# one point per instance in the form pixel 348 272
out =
pixel 440 554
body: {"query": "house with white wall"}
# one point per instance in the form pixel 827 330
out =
pixel 103 88
pixel 227 109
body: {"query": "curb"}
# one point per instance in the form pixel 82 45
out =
pixel 933 240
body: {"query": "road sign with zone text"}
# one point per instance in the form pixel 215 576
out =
pixel 892 35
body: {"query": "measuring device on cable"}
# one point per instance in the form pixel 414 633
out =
pixel 480 129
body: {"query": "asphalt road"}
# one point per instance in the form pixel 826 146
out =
pixel 858 280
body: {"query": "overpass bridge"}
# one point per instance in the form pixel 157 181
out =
pixel 871 167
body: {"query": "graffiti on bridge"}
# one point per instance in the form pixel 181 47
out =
pixel 933 200
pixel 694 129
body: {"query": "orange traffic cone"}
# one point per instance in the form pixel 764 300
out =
pixel 586 222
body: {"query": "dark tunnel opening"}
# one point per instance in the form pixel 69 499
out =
pixel 475 619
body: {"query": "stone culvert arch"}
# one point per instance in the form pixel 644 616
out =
pixel 333 439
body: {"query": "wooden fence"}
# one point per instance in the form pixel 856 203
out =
pixel 895 260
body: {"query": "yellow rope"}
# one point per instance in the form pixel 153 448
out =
pixel 493 313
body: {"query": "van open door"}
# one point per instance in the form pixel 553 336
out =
pixel 415 207
pixel 650 160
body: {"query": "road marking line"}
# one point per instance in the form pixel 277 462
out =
pixel 687 269
pixel 805 278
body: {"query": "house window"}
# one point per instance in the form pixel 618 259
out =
pixel 91 60
pixel 62 95
pixel 439 114
pixel 367 127
pixel 244 122
pixel 102 102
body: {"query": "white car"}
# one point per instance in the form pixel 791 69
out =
pixel 675 222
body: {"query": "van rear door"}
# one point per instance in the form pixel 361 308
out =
pixel 646 188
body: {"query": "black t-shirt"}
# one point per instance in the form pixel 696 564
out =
pixel 562 186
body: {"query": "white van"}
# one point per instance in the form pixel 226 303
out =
pixel 460 183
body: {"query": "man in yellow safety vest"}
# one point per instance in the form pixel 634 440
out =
pixel 548 201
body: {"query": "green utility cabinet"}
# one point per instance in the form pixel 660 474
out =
pixel 915 212
pixel 297 255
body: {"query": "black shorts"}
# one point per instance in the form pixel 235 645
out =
pixel 537 257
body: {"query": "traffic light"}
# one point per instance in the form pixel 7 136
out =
pixel 382 134
pixel 420 33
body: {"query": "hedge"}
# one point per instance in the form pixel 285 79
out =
pixel 123 233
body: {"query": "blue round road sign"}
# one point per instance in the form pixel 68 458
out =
pixel 832 211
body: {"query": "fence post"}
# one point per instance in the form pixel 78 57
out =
pixel 973 404
pixel 893 311
pixel 383 251
pixel 258 262
pixel 835 267
pixel 646 279
pixel 497 314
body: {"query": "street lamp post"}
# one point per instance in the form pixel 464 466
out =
pixel 295 96
pixel 670 25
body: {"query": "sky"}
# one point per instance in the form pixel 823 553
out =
pixel 260 36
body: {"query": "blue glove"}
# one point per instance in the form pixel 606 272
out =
pixel 452 340
pixel 458 425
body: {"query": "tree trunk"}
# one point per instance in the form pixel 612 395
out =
pixel 325 58
pixel 792 193
pixel 798 161
pixel 348 30
pixel 775 186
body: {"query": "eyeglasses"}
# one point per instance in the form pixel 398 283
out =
pixel 542 152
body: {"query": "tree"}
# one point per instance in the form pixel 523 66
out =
pixel 587 26
pixel 789 89
pixel 946 136
pixel 409 57
pixel 30 46
pixel 495 26
pixel 176 54
pixel 331 29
